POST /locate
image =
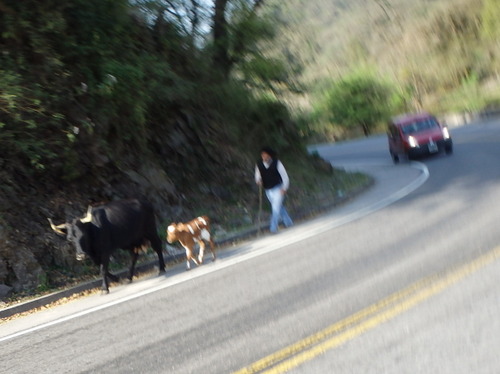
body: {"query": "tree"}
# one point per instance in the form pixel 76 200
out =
pixel 232 32
pixel 359 100
pixel 490 19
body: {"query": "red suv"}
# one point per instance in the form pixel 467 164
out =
pixel 417 134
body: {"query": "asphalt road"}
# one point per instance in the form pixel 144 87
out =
pixel 404 279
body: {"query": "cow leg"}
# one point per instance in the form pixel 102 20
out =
pixel 104 274
pixel 134 255
pixel 156 244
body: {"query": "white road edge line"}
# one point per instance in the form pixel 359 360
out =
pixel 258 248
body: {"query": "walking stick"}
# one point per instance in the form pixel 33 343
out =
pixel 260 210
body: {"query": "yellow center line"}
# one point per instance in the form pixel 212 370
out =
pixel 366 319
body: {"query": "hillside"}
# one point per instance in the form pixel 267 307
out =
pixel 103 100
pixel 433 51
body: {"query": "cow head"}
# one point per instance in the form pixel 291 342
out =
pixel 78 232
pixel 172 233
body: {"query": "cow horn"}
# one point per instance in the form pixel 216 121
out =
pixel 88 216
pixel 59 228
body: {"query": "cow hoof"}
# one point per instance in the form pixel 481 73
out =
pixel 104 292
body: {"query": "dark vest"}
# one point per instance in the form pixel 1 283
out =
pixel 270 176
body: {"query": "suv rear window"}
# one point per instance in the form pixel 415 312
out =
pixel 417 126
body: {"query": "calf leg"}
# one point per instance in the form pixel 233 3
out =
pixel 134 255
pixel 205 235
pixel 202 251
pixel 212 248
pixel 189 256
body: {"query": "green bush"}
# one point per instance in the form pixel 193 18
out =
pixel 29 129
pixel 359 100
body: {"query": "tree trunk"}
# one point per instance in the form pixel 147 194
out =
pixel 221 60
pixel 366 129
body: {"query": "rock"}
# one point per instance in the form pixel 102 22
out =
pixel 3 263
pixel 246 219
pixel 221 192
pixel 152 179
pixel 172 251
pixel 4 291
pixel 26 268
pixel 18 265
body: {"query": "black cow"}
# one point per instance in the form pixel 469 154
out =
pixel 125 224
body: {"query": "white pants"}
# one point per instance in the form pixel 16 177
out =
pixel 279 212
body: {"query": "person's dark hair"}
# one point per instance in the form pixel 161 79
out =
pixel 269 151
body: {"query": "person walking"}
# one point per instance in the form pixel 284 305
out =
pixel 272 176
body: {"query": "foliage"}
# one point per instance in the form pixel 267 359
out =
pixel 490 20
pixel 466 98
pixel 22 113
pixel 359 99
pixel 50 51
pixel 98 77
pixel 252 121
pixel 105 99
pixel 429 49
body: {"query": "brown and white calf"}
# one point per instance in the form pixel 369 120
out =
pixel 197 230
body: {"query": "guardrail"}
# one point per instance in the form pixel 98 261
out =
pixel 464 118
